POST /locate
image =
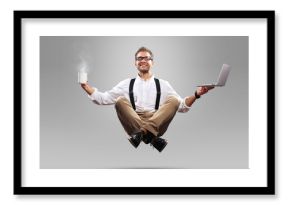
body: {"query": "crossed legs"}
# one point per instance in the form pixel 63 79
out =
pixel 154 122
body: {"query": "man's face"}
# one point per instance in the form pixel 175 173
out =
pixel 143 62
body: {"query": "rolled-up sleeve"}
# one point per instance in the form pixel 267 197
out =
pixel 108 97
pixel 183 107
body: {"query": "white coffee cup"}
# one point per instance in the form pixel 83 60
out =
pixel 82 77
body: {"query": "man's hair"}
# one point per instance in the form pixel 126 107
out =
pixel 144 49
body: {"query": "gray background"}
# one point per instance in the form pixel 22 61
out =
pixel 75 133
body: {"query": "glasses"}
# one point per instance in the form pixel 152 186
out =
pixel 147 58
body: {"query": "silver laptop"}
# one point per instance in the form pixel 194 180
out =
pixel 224 73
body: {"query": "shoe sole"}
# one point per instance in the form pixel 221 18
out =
pixel 132 143
pixel 162 148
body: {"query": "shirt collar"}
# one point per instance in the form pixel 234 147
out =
pixel 140 79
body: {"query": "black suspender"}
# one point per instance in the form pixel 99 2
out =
pixel 158 93
pixel 131 94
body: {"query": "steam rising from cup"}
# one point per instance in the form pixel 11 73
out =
pixel 83 73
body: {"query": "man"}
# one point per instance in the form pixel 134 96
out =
pixel 145 105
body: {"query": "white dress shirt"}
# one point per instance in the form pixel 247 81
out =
pixel 144 94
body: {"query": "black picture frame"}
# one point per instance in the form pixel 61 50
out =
pixel 19 189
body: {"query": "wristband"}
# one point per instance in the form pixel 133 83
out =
pixel 196 95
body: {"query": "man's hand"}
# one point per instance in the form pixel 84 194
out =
pixel 203 90
pixel 87 88
pixel 200 91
